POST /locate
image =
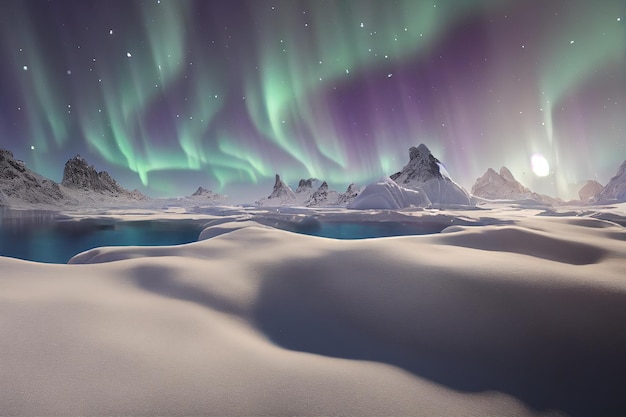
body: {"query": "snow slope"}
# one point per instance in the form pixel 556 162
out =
pixel 386 194
pixel 518 319
pixel 615 190
pixel 20 187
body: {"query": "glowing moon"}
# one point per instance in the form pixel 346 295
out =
pixel 540 165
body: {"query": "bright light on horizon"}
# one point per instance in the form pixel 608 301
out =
pixel 540 165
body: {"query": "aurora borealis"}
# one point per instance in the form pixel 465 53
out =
pixel 168 95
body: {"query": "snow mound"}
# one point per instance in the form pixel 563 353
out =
pixel 387 195
pixel 523 319
pixel 589 190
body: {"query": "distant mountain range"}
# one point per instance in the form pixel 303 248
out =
pixel 309 193
pixel 81 186
pixel 503 186
pixel 422 182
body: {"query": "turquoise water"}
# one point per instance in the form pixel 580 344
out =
pixel 45 237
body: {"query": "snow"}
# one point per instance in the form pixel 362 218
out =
pixel 522 316
pixel 504 186
pixel 386 194
pixel 615 190
pixel 423 173
pixel 309 193
pixel 589 190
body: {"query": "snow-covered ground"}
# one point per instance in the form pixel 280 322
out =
pixel 508 311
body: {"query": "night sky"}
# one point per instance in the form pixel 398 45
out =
pixel 169 95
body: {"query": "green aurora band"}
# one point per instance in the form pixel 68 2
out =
pixel 160 95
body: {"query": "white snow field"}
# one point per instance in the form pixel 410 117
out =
pixel 522 317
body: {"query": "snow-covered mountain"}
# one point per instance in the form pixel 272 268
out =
pixel 308 185
pixel 79 175
pixel 322 197
pixel 589 190
pixel 20 187
pixel 82 185
pixel 388 195
pixel 89 187
pixel 423 173
pixel 503 186
pixel 348 196
pixel 282 195
pixel 615 190
pixel 500 186
pixel 202 194
pixel 309 193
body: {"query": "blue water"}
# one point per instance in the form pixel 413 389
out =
pixel 43 237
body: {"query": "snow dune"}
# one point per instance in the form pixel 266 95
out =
pixel 525 318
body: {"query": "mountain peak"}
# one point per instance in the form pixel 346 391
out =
pixel 423 173
pixel 79 175
pixel 422 167
pixel 20 186
pixel 307 185
pixel 203 194
pixel 201 191
pixel 281 190
pixel 506 174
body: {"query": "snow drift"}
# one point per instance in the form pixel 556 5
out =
pixel 525 318
pixel 387 195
